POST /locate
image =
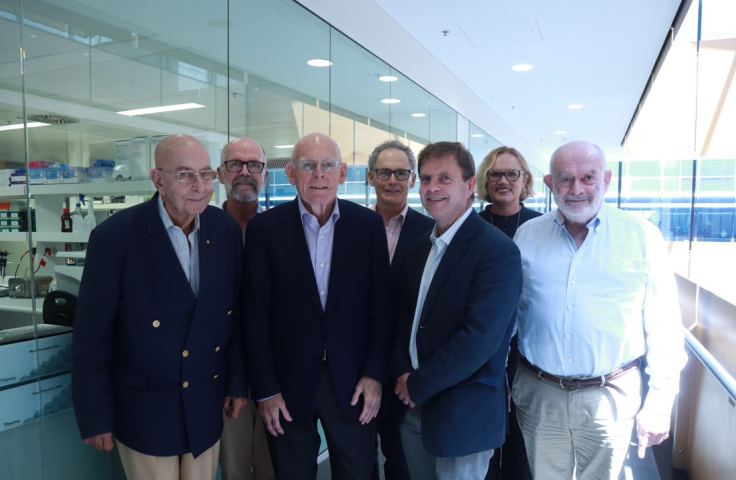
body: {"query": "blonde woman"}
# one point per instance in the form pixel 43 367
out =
pixel 504 181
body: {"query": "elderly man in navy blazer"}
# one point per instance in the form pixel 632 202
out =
pixel 391 171
pixel 317 320
pixel 157 347
pixel 454 323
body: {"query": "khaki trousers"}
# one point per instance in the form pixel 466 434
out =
pixel 244 453
pixel 583 432
pixel 139 466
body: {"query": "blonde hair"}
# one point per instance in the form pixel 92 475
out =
pixel 489 162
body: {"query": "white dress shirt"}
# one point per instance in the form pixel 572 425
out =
pixel 186 247
pixel 439 247
pixel 586 312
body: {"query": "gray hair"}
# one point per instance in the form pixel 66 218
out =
pixel 392 144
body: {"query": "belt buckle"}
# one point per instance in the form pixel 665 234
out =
pixel 572 387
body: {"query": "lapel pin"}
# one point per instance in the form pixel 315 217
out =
pixel 208 242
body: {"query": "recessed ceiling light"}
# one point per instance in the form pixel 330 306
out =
pixel 390 100
pixel 388 78
pixel 477 135
pixel 522 67
pixel 418 115
pixel 560 132
pixel 283 146
pixel 17 126
pixel 162 109
pixel 576 106
pixel 33 36
pixel 319 62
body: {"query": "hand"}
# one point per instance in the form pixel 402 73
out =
pixel 234 405
pixel 100 442
pixel 402 390
pixel 652 428
pixel 270 411
pixel 371 391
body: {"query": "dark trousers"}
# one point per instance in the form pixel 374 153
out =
pixel 388 424
pixel 351 445
pixel 510 461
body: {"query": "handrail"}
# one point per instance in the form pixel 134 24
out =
pixel 713 365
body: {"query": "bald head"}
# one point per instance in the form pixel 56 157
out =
pixel 316 142
pixel 578 151
pixel 579 180
pixel 167 150
pixel 242 144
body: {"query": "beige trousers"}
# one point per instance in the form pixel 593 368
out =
pixel 139 466
pixel 583 432
pixel 244 453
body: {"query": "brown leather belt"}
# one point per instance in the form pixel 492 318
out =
pixel 568 383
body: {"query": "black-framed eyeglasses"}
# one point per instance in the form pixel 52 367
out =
pixel 511 175
pixel 310 166
pixel 188 176
pixel 235 166
pixel 385 174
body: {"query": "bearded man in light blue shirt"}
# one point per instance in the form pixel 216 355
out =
pixel 598 302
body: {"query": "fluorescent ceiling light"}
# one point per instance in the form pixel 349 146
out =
pixel 390 100
pixel 477 135
pixel 319 62
pixel 560 132
pixel 576 106
pixel 522 67
pixel 418 115
pixel 165 108
pixel 283 146
pixel 388 78
pixel 18 126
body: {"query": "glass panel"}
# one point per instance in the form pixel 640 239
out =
pixel 21 428
pixel 442 121
pixel 360 94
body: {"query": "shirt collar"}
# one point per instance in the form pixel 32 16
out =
pixel 446 237
pixel 259 208
pixel 166 218
pixel 401 214
pixel 304 213
pixel 594 224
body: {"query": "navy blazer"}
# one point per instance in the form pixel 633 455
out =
pixel 415 225
pixel 286 328
pixel 135 318
pixel 462 339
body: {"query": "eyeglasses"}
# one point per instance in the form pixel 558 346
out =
pixel 310 166
pixel 385 174
pixel 235 166
pixel 188 176
pixel 567 180
pixel 511 175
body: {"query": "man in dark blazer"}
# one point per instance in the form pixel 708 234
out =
pixel 157 345
pixel 391 169
pixel 454 322
pixel 318 326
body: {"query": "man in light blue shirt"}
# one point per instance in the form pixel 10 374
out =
pixel 598 299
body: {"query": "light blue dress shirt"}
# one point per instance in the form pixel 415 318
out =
pixel 439 247
pixel 319 242
pixel 587 311
pixel 186 248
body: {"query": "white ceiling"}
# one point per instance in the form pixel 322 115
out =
pixel 593 52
